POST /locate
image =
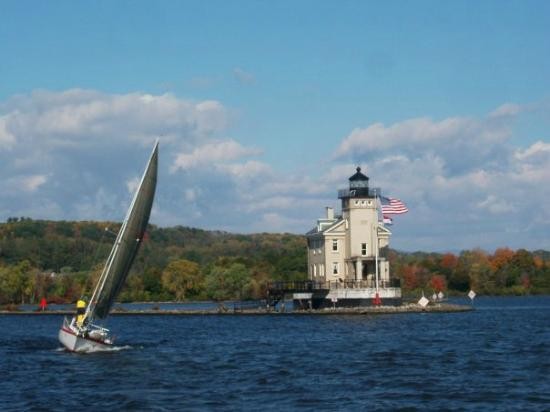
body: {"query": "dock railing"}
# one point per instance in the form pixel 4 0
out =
pixel 311 286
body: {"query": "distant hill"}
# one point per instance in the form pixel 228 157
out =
pixel 78 246
pixel 75 250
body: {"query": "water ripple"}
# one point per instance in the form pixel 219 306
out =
pixel 497 358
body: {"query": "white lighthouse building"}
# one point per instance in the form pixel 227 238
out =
pixel 348 253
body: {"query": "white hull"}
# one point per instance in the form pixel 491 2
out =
pixel 71 341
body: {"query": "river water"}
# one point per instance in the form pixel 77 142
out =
pixel 494 358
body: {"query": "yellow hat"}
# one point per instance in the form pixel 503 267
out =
pixel 80 304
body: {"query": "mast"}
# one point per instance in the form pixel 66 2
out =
pixel 126 244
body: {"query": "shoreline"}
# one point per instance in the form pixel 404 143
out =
pixel 367 310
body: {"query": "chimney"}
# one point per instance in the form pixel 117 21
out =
pixel 330 213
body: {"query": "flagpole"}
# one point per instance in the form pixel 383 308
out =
pixel 376 247
pixel 376 261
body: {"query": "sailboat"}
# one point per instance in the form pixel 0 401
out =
pixel 83 333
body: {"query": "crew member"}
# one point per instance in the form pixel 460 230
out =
pixel 80 313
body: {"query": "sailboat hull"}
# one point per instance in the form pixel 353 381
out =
pixel 70 339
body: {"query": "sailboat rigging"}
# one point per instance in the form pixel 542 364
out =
pixel 82 334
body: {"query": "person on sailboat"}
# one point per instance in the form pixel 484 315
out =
pixel 80 312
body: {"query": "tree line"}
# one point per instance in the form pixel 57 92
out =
pixel 61 261
pixel 503 272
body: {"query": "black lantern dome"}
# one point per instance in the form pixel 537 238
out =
pixel 358 187
pixel 358 180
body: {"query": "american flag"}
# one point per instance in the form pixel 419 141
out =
pixel 391 206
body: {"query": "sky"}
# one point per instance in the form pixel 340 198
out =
pixel 264 110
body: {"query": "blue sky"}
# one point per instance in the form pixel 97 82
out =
pixel 267 107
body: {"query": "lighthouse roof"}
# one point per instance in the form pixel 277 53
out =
pixel 358 176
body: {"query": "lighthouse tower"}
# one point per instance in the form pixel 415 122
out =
pixel 367 239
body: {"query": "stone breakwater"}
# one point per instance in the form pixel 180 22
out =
pixel 367 310
pixel 406 308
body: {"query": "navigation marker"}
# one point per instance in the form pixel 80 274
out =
pixel 423 301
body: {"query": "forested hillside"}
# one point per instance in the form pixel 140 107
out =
pixel 61 260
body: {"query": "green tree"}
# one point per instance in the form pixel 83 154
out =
pixel 471 271
pixel 231 282
pixel 182 278
pixel 9 285
pixel 16 283
pixel 152 283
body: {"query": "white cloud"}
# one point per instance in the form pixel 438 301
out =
pixel 6 138
pixel 538 151
pixel 461 174
pixel 132 184
pixel 507 109
pixel 190 195
pixel 243 76
pixel 337 174
pixel 277 222
pixel 31 183
pixel 405 135
pixel 251 169
pixel 12 186
pixel 82 140
pixel 495 205
pixel 211 154
pixel 275 202
pixel 77 117
pixel 27 184
pixel 461 142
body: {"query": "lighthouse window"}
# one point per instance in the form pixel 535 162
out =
pixel 335 245
pixel 335 268
pixel 358 184
pixel 364 249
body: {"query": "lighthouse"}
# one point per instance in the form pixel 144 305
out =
pixel 348 252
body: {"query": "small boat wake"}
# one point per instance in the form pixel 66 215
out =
pixel 98 349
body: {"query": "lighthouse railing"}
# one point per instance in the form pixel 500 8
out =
pixel 366 192
pixel 311 286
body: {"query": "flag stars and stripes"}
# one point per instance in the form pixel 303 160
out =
pixel 392 206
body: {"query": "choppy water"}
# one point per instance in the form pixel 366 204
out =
pixel 495 358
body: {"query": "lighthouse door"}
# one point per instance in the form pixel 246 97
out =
pixel 365 270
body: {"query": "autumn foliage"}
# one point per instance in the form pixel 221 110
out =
pixel 504 272
pixel 62 261
pixel 437 283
